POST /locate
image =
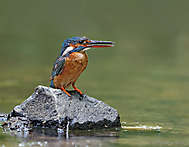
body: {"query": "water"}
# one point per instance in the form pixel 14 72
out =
pixel 145 76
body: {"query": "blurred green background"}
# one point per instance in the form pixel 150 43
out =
pixel 145 76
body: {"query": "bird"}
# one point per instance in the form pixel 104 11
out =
pixel 72 61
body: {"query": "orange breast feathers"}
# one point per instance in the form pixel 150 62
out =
pixel 74 65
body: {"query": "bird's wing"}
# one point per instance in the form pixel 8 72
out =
pixel 58 66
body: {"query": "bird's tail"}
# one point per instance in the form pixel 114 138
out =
pixel 52 84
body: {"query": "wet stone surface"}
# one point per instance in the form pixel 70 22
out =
pixel 52 108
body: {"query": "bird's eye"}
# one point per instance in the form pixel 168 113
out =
pixel 81 41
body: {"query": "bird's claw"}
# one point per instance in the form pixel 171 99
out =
pixel 81 96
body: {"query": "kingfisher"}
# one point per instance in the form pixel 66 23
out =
pixel 72 61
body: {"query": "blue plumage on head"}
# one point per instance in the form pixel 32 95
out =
pixel 67 42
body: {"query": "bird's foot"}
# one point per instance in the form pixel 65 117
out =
pixel 79 91
pixel 81 96
pixel 65 91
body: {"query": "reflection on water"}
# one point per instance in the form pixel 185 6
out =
pixel 48 137
pixel 79 141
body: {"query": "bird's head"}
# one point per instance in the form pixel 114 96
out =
pixel 81 44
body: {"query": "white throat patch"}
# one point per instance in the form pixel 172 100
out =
pixel 67 50
pixel 86 49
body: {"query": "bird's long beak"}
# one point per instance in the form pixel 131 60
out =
pixel 98 44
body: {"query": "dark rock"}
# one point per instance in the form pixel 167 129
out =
pixel 3 117
pixel 52 108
